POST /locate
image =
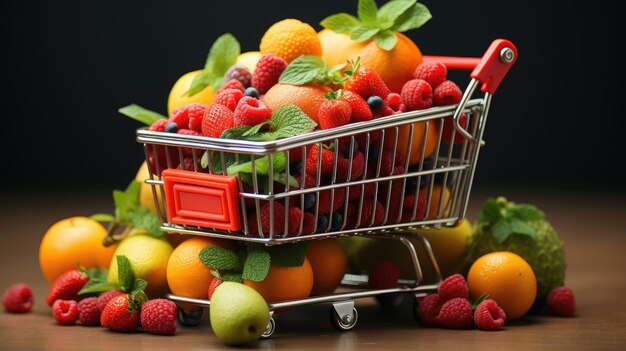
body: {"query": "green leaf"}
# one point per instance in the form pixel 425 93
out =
pixel 102 217
pixel 412 18
pixel 527 212
pixel 142 217
pixel 518 226
pixel 390 11
pixel 366 10
pixel 289 120
pixel 139 284
pixel 255 129
pixel 490 212
pixel 141 114
pixel 200 82
pixel 96 286
pixel 340 23
pixel 257 264
pixel 235 132
pixel 217 82
pixel 484 296
pixel 303 70
pixel 262 165
pixel 386 40
pixel 127 200
pixel 288 255
pixel 125 274
pixel 217 257
pixel 222 55
pixel 98 273
pixel 232 277
pixel 501 230
pixel 282 179
pixel 362 33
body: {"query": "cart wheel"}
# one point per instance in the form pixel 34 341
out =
pixel 390 300
pixel 269 330
pixel 190 318
pixel 343 322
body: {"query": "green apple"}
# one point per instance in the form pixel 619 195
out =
pixel 238 313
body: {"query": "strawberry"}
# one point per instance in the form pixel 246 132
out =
pixel 250 112
pixel 365 82
pixel 217 119
pixel 268 70
pixel 228 98
pixel 312 158
pixel 334 111
pixel 215 282
pixel 67 286
pixel 361 111
pixel 105 297
pixel 121 314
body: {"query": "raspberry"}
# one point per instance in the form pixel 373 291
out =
pixel 158 316
pixel 18 298
pixel 188 152
pixel 489 316
pixel 344 166
pixel 327 162
pixel 268 70
pixel 217 119
pixel 428 310
pixel 159 125
pixel 417 95
pixel 355 191
pixel 369 208
pixel 189 116
pixel 279 218
pixel 433 72
pixel 395 104
pixel 215 282
pixel 448 129
pixel 360 108
pixel 240 73
pixel 65 311
pixel 233 84
pixel 447 93
pixel 88 312
pixel 308 225
pixel 325 197
pixel 188 164
pixel 67 286
pixel 384 275
pixel 105 297
pixel 228 98
pixel 456 314
pixel 452 287
pixel 409 202
pixel 250 112
pixel 295 216
pixel 561 302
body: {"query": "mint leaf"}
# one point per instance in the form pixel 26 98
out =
pixel 217 257
pixel 141 114
pixel 232 277
pixel 366 10
pixel 125 274
pixel 292 121
pixel 340 23
pixel 362 33
pixel 490 212
pixel 386 40
pixel 98 273
pixel 139 284
pixel 257 264
pixel 102 217
pixel 96 286
pixel 255 129
pixel 222 55
pixel 527 212
pixel 142 217
pixel 127 200
pixel 412 18
pixel 200 82
pixel 235 132
pixel 481 298
pixel 303 70
pixel 282 179
pixel 288 255
pixel 390 11
pixel 518 226
pixel 262 165
pixel 501 230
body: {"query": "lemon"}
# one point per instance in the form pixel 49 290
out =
pixel 178 95
pixel 449 245
pixel 148 257
pixel 238 314
pixel 249 59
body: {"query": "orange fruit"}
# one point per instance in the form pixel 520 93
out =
pixel 435 200
pixel 328 261
pixel 186 275
pixel 421 136
pixel 285 283
pixel 307 97
pixel 289 39
pixel 507 278
pixel 395 67
pixel 178 96
pixel 73 241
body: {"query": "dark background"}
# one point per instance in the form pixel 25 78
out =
pixel 557 121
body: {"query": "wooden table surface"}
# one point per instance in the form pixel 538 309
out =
pixel 590 224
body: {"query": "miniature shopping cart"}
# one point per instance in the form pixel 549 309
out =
pixel 428 185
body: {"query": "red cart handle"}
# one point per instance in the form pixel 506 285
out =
pixel 488 70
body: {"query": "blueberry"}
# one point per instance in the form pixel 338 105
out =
pixel 337 221
pixel 251 91
pixel 171 127
pixel 322 222
pixel 375 102
pixel 295 168
pixel 309 200
pixel 346 148
pixel 372 155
